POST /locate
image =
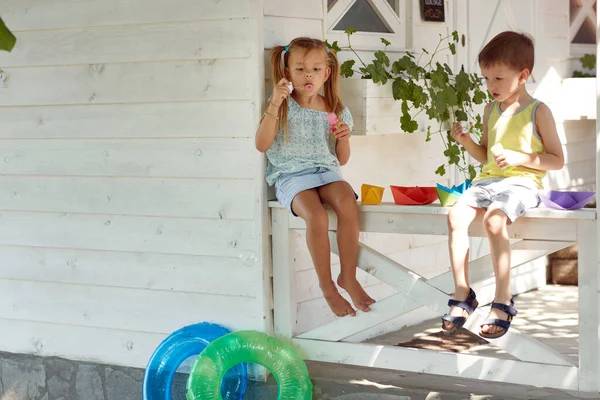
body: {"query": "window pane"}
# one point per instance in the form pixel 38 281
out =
pixel 574 6
pixel 587 33
pixel 363 18
pixel 394 5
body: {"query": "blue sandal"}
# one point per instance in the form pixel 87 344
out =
pixel 469 305
pixel 502 323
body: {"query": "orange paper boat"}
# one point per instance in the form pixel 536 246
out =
pixel 414 195
pixel 370 194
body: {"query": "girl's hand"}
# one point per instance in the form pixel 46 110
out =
pixel 507 158
pixel 457 134
pixel 342 131
pixel 280 92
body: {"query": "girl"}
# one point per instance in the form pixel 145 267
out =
pixel 304 156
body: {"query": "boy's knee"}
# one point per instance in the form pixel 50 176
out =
pixel 494 222
pixel 458 218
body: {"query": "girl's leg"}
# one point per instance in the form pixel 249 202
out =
pixel 307 205
pixel 495 223
pixel 459 220
pixel 340 197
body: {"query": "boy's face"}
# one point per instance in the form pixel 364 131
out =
pixel 308 70
pixel 503 81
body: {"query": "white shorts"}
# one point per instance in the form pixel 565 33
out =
pixel 513 196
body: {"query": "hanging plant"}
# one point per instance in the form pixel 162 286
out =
pixel 427 86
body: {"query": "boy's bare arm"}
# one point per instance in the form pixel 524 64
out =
pixel 477 150
pixel 554 158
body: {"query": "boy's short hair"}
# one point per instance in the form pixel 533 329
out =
pixel 510 48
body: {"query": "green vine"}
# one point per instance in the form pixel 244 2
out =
pixel 429 87
pixel 588 62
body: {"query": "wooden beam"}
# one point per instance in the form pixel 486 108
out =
pixel 440 363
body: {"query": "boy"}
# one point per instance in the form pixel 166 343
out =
pixel 519 144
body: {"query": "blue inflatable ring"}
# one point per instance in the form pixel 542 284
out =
pixel 179 346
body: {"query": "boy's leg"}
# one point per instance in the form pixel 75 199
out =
pixel 459 220
pixel 307 205
pixel 340 196
pixel 495 223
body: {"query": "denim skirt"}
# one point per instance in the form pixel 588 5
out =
pixel 289 185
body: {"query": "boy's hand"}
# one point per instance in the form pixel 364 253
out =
pixel 342 131
pixel 280 92
pixel 507 158
pixel 457 134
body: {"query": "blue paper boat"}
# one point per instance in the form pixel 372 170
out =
pixel 456 190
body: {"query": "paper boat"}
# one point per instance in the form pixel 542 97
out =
pixel 448 196
pixel 370 194
pixel 565 200
pixel 413 195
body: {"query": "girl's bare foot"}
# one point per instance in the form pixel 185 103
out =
pixel 338 304
pixel 359 297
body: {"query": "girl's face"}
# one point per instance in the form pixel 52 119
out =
pixel 502 81
pixel 308 70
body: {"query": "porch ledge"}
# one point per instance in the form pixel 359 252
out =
pixel 586 213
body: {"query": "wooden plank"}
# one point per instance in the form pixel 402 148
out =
pixel 381 312
pixel 133 43
pixel 440 363
pixel 432 224
pixel 207 237
pixel 126 83
pixel 589 309
pixel 573 174
pixel 435 209
pixel 62 14
pixel 196 198
pixel 284 298
pixel 166 272
pixel 179 158
pixel 88 344
pixel 281 31
pixel 311 9
pixel 150 120
pixel 118 308
pixel 481 269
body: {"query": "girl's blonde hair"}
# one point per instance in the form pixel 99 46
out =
pixel 331 86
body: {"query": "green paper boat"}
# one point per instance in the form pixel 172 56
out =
pixel 7 39
pixel 448 196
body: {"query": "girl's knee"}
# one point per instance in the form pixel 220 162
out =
pixel 317 218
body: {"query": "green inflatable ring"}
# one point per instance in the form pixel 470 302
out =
pixel 223 353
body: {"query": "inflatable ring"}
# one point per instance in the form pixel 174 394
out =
pixel 179 346
pixel 249 347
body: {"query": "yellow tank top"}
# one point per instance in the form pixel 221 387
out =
pixel 514 131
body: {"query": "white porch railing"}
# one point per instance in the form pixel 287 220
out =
pixel 542 231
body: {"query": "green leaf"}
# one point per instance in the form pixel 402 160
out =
pixel 401 90
pixel 334 46
pixel 463 40
pixel 7 39
pixel 455 36
pixel 588 61
pixel 346 68
pixel 452 48
pixel 463 83
pixel 382 58
pixel 439 78
pixel 408 124
pixel 450 97
pixel 461 115
pixel 350 31
pixel 441 171
pixel 385 42
pixel 479 97
pixel 472 172
pixel 425 51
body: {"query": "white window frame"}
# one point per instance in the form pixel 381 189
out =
pixel 585 11
pixel 371 41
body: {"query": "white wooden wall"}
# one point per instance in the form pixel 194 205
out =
pixel 128 175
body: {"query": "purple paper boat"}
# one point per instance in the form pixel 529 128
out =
pixel 565 200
